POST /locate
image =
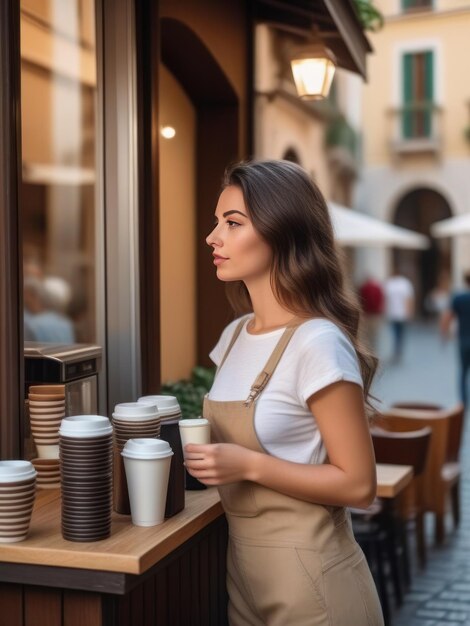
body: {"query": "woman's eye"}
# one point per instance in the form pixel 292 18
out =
pixel 231 223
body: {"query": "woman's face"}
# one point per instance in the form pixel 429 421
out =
pixel 239 251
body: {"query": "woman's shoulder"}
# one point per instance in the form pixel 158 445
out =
pixel 322 332
pixel 228 331
pixel 319 326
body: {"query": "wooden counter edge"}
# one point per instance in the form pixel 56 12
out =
pixel 26 553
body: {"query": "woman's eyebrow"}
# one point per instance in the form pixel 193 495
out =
pixel 233 211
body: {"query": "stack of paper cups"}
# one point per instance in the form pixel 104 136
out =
pixel 86 477
pixel 130 420
pixel 17 491
pixel 170 415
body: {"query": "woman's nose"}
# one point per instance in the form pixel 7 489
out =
pixel 212 238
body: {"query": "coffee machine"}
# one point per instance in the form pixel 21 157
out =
pixel 75 366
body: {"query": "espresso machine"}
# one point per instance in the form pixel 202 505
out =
pixel 75 366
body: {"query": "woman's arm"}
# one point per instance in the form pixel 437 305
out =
pixel 348 479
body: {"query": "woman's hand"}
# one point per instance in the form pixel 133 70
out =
pixel 219 463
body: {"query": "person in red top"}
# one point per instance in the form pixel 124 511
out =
pixel 372 301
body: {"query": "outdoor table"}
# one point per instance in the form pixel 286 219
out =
pixel 391 481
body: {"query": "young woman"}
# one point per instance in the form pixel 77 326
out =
pixel 287 409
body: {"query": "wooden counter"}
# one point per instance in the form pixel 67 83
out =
pixel 129 550
pixel 172 574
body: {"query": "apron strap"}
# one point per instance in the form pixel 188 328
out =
pixel 263 378
pixel 238 330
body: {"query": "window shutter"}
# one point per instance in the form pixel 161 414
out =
pixel 407 117
pixel 428 91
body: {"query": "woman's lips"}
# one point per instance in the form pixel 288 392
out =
pixel 218 260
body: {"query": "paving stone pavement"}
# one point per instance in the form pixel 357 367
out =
pixel 439 595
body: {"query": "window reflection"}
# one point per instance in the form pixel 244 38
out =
pixel 58 117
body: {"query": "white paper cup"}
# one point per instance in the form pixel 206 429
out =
pixel 194 431
pixel 162 402
pixel 16 471
pixel 135 412
pixel 147 465
pixel 85 426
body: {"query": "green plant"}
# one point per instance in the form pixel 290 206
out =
pixel 466 133
pixel 190 393
pixel 370 17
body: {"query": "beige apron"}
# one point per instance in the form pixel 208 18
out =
pixel 289 562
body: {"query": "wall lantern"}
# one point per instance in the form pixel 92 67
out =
pixel 313 68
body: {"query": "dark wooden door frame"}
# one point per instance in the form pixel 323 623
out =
pixel 148 59
pixel 11 281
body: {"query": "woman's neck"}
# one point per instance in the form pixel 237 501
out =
pixel 269 314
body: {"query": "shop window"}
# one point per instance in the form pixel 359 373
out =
pixel 58 187
pixel 418 95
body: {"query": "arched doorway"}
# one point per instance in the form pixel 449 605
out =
pixel 200 90
pixel 291 155
pixel 418 210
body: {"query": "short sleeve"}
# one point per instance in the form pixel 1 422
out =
pixel 324 360
pixel 217 353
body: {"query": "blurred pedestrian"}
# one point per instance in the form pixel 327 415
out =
pixel 438 299
pixel 372 301
pixel 460 310
pixel 399 309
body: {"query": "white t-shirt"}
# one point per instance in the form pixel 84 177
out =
pixel 318 354
pixel 398 293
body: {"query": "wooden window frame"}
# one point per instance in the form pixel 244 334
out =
pixel 11 274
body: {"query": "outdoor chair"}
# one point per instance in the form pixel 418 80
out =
pixel 441 476
pixel 407 448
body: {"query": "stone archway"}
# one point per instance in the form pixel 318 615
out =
pixel 418 210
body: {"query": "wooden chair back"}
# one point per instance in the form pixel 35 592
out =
pixel 405 420
pixel 402 448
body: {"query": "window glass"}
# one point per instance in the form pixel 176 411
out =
pixel 57 196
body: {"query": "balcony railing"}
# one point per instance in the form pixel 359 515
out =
pixel 416 127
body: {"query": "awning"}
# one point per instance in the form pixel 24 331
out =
pixel 357 229
pixel 452 227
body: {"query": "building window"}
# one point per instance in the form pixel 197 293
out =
pixel 418 95
pixel 59 170
pixel 411 5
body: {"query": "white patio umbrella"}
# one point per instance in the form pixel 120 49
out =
pixel 357 229
pixel 452 227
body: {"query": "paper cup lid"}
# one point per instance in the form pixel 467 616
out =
pixel 167 405
pixel 15 471
pixel 146 449
pixel 135 410
pixel 82 426
pixel 189 423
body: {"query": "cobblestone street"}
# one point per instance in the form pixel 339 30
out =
pixel 439 595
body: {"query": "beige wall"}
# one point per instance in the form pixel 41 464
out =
pixel 222 27
pixel 448 34
pixel 177 231
pixel 393 7
pixel 282 122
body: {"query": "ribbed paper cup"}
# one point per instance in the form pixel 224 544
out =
pixel 86 477
pixel 17 489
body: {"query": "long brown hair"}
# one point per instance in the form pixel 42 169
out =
pixel 290 213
